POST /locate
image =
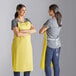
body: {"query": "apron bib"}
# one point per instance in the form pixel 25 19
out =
pixel 22 59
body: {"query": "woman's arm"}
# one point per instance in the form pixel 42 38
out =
pixel 30 31
pixel 43 29
pixel 17 32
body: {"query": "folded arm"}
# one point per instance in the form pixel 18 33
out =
pixel 17 32
pixel 43 29
pixel 29 31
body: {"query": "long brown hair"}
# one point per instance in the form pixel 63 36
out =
pixel 58 15
pixel 19 6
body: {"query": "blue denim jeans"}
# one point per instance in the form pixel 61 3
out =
pixel 25 73
pixel 52 54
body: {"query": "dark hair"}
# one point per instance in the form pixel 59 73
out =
pixel 19 6
pixel 58 15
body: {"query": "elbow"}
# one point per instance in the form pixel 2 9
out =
pixel 17 34
pixel 40 32
pixel 34 31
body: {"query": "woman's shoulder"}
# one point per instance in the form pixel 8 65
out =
pixel 26 19
pixel 14 20
pixel 49 20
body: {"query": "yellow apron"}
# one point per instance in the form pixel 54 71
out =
pixel 42 65
pixel 22 59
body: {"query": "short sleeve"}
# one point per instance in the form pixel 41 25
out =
pixel 13 23
pixel 48 23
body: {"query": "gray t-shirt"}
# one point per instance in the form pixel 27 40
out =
pixel 53 31
pixel 14 22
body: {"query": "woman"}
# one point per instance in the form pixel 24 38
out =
pixel 22 60
pixel 52 27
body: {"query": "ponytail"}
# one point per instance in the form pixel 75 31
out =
pixel 16 15
pixel 59 18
